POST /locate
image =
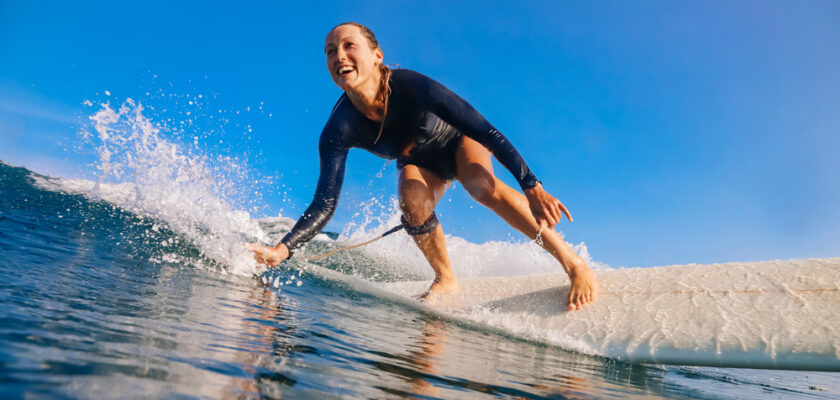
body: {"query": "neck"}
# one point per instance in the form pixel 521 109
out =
pixel 364 97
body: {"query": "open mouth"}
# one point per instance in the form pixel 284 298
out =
pixel 345 70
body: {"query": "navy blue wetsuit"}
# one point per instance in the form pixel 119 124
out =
pixel 424 116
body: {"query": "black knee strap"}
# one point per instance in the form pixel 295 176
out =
pixel 427 226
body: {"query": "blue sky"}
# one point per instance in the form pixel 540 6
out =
pixel 675 132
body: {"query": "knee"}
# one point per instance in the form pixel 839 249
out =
pixel 416 207
pixel 482 188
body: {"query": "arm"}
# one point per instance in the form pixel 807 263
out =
pixel 547 210
pixel 461 115
pixel 319 212
pixel 325 201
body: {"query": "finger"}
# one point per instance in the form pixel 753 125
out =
pixel 566 211
pixel 545 217
pixel 253 246
pixel 555 211
pixel 558 208
pixel 552 217
pixel 539 213
pixel 548 223
pixel 544 223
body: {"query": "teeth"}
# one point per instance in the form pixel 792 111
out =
pixel 344 70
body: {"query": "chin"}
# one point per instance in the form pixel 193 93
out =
pixel 346 85
pixel 341 85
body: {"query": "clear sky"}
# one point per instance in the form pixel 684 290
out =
pixel 674 131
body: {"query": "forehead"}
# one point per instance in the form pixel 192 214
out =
pixel 343 33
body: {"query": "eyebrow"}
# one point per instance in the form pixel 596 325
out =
pixel 343 39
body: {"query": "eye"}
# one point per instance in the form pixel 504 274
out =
pixel 330 51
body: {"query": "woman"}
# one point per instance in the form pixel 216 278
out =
pixel 435 137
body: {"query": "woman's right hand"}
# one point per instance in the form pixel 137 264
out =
pixel 547 210
pixel 268 256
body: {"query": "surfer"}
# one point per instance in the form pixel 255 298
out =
pixel 436 137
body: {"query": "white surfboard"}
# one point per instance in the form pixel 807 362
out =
pixel 775 314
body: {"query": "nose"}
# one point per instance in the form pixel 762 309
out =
pixel 340 54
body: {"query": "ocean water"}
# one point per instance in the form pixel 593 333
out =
pixel 135 285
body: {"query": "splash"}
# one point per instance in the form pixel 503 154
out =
pixel 398 256
pixel 142 171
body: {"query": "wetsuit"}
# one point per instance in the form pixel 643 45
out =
pixel 423 116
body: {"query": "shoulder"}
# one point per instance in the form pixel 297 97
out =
pixel 418 86
pixel 340 110
pixel 407 79
pixel 402 75
pixel 406 74
pixel 343 115
pixel 342 118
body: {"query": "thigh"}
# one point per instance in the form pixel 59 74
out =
pixel 418 183
pixel 474 166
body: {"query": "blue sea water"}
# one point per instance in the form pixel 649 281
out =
pixel 137 288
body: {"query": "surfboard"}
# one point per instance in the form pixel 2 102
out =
pixel 775 314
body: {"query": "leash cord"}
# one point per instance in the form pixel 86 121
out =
pixel 390 231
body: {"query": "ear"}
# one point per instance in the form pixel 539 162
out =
pixel 378 54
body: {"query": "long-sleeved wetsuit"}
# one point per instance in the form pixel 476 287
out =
pixel 423 116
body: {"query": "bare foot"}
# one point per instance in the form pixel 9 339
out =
pixel 441 286
pixel 584 288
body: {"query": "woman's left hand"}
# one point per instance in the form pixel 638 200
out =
pixel 547 210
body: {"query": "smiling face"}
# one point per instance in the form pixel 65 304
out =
pixel 351 59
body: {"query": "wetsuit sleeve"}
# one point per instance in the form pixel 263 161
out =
pixel 461 115
pixel 320 211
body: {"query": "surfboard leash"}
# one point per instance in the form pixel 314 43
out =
pixel 390 231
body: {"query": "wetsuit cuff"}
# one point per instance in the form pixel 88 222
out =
pixel 530 184
pixel 291 250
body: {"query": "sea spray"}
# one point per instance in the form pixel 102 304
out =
pixel 398 256
pixel 144 172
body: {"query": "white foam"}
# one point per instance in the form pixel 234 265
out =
pixel 493 258
pixel 144 173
